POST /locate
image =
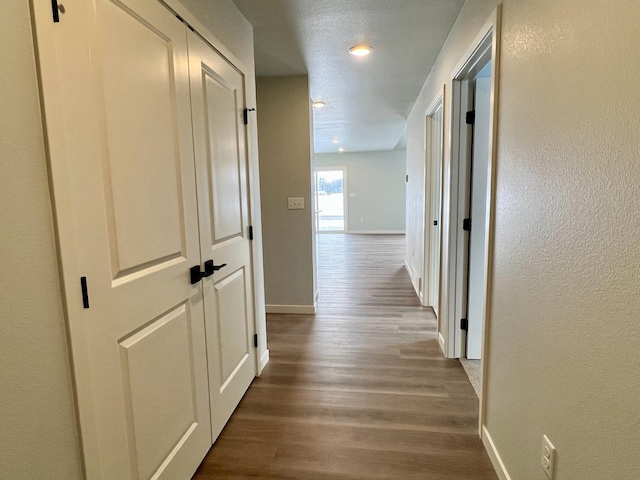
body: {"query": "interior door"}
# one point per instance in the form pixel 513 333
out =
pixel 477 237
pixel 436 207
pixel 221 166
pixel 128 215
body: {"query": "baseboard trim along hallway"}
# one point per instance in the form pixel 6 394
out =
pixel 292 309
pixel 360 390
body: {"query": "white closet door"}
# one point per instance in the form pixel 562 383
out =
pixel 128 217
pixel 221 165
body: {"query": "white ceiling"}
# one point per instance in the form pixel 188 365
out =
pixel 368 99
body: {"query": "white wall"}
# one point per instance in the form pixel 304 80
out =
pixel 564 333
pixel 284 138
pixel 38 436
pixel 377 179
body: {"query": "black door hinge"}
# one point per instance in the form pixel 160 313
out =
pixel 406 178
pixel 85 292
pixel 464 324
pixel 466 225
pixel 255 340
pixel 470 117
pixel 251 232
pixel 55 11
pixel 246 114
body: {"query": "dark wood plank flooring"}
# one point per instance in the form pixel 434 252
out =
pixel 358 391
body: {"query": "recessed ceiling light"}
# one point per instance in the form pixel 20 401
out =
pixel 318 104
pixel 341 149
pixel 335 140
pixel 361 50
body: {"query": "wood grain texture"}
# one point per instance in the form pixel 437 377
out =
pixel 358 391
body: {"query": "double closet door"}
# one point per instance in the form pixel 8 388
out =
pixel 149 172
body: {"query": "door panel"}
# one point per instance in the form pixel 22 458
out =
pixel 221 166
pixel 234 346
pixel 139 348
pixel 141 160
pixel 224 187
pixel 159 388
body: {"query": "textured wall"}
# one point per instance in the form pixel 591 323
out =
pixel 38 436
pixel 284 138
pixel 564 331
pixel 377 179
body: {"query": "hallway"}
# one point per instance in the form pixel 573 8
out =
pixel 358 391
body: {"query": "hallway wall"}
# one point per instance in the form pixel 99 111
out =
pixel 285 140
pixel 38 436
pixel 563 334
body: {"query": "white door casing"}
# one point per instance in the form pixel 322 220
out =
pixel 218 102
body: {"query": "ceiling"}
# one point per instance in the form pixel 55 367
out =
pixel 369 98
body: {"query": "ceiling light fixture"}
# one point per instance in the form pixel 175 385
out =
pixel 341 149
pixel 361 50
pixel 335 140
pixel 318 104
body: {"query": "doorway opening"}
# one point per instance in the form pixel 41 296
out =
pixel 434 139
pixel 331 199
pixel 470 216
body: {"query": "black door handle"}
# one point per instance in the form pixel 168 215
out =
pixel 209 269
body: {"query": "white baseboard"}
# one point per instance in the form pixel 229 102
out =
pixel 293 309
pixel 490 447
pixel 264 359
pixel 409 270
pixel 442 344
pixel 376 232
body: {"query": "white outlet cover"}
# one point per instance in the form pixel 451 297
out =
pixel 352 195
pixel 548 456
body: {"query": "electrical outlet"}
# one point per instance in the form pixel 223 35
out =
pixel 295 203
pixel 548 456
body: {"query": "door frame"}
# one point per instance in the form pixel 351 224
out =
pixel 485 46
pixel 430 161
pixel 345 196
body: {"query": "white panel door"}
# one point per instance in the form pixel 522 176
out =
pixel 217 91
pixel 130 227
pixel 477 238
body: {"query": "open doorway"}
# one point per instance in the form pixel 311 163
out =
pixel 331 199
pixel 474 94
pixel 434 138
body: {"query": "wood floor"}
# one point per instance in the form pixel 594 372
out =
pixel 358 391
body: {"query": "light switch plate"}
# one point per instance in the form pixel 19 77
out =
pixel 295 203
